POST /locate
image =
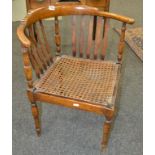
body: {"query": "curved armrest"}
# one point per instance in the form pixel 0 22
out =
pixel 21 35
pixel 120 18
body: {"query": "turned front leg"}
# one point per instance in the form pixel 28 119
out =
pixel 35 113
pixel 106 132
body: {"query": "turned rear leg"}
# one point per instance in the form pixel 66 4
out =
pixel 106 132
pixel 35 113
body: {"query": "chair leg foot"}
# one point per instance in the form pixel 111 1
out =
pixel 103 147
pixel 35 113
pixel 106 133
pixel 38 131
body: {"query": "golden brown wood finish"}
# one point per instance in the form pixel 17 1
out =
pixel 98 37
pixel 42 13
pixel 34 64
pixel 121 43
pixel 32 50
pixel 74 35
pixel 34 4
pixel 46 42
pixel 105 39
pixel 39 52
pixel 28 74
pixel 35 113
pixel 27 67
pixel 69 103
pixel 57 36
pixel 81 44
pixel 101 4
pixel 90 30
pixel 39 47
pixel 106 132
pixel 43 54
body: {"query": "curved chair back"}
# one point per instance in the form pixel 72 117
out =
pixel 37 50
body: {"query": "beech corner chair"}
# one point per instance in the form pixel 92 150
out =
pixel 82 80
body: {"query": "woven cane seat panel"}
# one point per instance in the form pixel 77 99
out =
pixel 80 79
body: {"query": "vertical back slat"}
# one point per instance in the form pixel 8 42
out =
pixel 121 43
pixel 94 27
pixel 37 58
pixel 32 59
pixel 81 41
pixel 34 64
pixel 45 41
pixel 90 31
pixel 74 35
pixel 105 39
pixel 42 48
pixel 34 49
pixel 38 49
pixel 57 36
pixel 98 36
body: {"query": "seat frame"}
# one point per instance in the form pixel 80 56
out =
pixel 63 10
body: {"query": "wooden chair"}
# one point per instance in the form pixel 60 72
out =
pixel 84 80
